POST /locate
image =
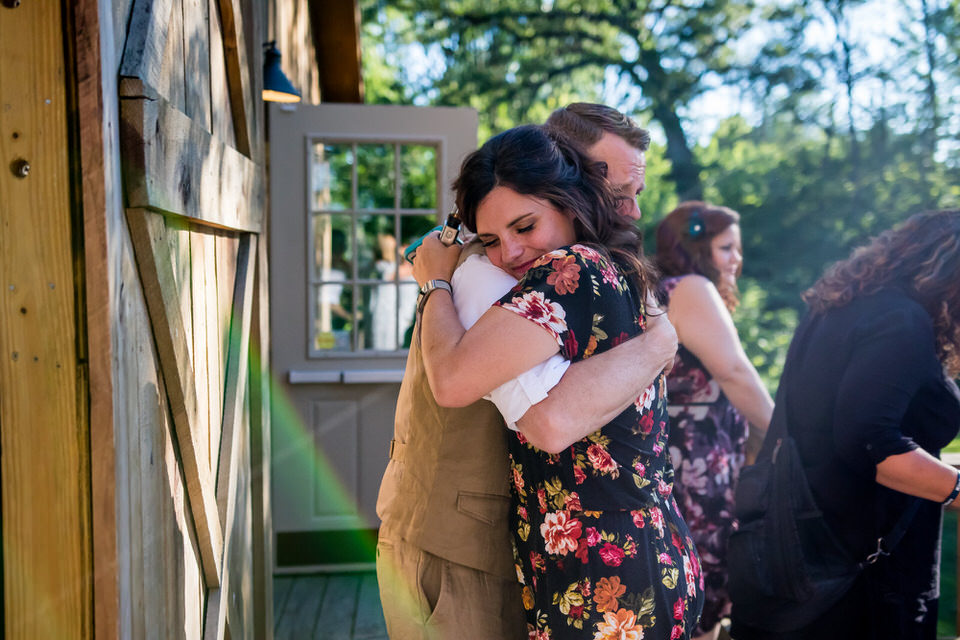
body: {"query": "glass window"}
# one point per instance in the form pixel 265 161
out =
pixel 369 200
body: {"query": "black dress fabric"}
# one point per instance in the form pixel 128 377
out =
pixel 863 382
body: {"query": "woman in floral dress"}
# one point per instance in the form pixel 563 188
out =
pixel 713 389
pixel 601 549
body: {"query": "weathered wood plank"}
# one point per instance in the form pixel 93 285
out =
pixel 200 289
pixel 148 232
pixel 338 609
pixel 214 348
pixel 46 534
pixel 173 165
pixel 260 451
pixel 369 623
pixel 227 248
pixel 99 329
pixel 233 436
pixel 221 115
pixel 238 76
pixel 302 608
pixel 153 56
pixel 196 45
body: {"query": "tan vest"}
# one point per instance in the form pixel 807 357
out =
pixel 446 487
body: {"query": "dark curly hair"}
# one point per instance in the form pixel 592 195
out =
pixel 921 257
pixel 683 244
pixel 536 161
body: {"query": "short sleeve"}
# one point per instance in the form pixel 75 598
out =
pixel 559 293
pixel 477 284
pixel 515 397
pixel 892 358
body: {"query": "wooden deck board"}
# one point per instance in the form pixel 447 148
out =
pixel 302 608
pixel 339 608
pixel 369 624
pixel 336 606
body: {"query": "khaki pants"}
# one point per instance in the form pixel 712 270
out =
pixel 425 597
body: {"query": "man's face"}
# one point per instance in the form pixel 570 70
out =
pixel 626 170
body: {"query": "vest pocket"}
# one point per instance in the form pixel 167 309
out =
pixel 490 508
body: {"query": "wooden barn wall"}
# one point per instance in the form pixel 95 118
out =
pixel 154 582
pixel 289 24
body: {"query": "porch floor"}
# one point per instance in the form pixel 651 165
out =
pixel 329 606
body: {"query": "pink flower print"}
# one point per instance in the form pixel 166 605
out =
pixel 583 551
pixel 656 519
pixel 542 499
pixel 637 519
pixel 560 533
pixel 689 575
pixel 611 554
pixel 586 253
pixel 535 307
pixel 566 275
pixel 537 634
pixel 592 536
pixel 639 468
pixel 678 608
pixel 600 459
pixel 663 488
pixel 570 345
pixel 518 481
pixel 572 502
pixel 676 632
pixel 548 257
pixel 665 558
pixel 645 400
pixel 578 475
pixel 646 424
pixel 609 274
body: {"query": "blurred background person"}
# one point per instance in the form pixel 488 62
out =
pixel 713 390
pixel 868 396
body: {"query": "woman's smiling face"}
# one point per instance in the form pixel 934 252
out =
pixel 516 229
pixel 727 253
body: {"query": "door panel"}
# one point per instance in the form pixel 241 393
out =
pixel 350 186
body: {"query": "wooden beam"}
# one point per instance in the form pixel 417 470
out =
pixel 45 475
pixel 232 433
pixel 173 165
pixel 261 516
pixel 238 76
pixel 336 35
pixel 148 233
pixel 99 329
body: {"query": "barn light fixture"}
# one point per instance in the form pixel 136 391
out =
pixel 276 86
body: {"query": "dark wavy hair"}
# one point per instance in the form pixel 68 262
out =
pixel 683 244
pixel 920 257
pixel 536 161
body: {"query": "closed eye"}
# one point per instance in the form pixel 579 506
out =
pixel 526 229
pixel 488 243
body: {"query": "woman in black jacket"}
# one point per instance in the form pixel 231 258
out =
pixel 869 398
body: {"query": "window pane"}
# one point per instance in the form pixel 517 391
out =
pixel 418 182
pixel 375 176
pixel 332 317
pixel 330 176
pixel 377 246
pixel 379 329
pixel 332 246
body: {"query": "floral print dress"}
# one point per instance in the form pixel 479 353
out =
pixel 707 439
pixel 602 550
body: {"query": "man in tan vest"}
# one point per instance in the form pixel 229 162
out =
pixel 444 557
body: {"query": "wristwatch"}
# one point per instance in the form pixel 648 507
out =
pixel 429 287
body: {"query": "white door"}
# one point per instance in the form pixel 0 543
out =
pixel 350 186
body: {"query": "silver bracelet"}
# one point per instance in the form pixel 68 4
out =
pixel 953 494
pixel 429 287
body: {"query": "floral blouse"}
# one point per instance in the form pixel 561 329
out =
pixel 602 551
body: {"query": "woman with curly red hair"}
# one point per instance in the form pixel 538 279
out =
pixel 868 396
pixel 713 389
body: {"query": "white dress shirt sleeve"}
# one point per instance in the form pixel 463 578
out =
pixel 477 284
